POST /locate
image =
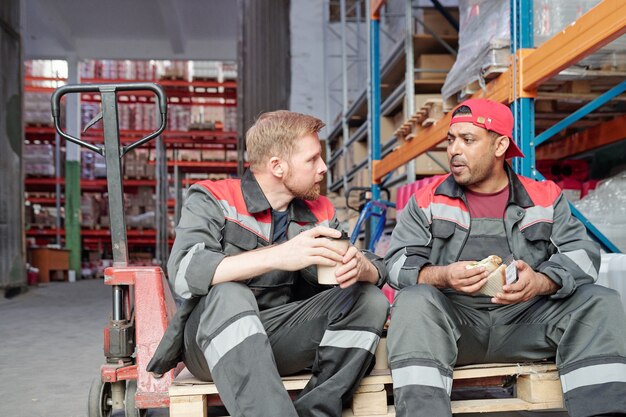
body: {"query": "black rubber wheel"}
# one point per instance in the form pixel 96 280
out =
pixel 99 399
pixel 129 401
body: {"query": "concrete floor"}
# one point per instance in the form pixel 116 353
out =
pixel 51 350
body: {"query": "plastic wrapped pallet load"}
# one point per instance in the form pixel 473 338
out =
pixel 613 273
pixel 484 40
pixel 484 27
pixel 605 207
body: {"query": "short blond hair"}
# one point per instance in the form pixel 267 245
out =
pixel 275 134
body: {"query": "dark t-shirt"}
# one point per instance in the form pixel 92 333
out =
pixel 280 220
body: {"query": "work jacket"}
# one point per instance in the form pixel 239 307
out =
pixel 540 230
pixel 225 218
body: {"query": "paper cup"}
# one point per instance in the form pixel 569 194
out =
pixel 326 274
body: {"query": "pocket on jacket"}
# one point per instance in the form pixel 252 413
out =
pixel 540 231
pixel 538 247
pixel 442 229
pixel 239 236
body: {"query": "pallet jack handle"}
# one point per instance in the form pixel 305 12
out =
pixel 108 88
pixel 112 151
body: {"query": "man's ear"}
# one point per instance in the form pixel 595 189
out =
pixel 502 144
pixel 276 166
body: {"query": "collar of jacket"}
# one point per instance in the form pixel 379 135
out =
pixel 517 193
pixel 256 202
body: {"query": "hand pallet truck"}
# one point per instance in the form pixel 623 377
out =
pixel 142 301
pixel 367 209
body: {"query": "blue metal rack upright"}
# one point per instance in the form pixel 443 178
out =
pixel 523 108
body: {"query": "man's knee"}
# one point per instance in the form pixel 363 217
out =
pixel 226 303
pixel 604 301
pixel 231 289
pixel 231 293
pixel 418 299
pixel 592 291
pixel 376 302
pixel 223 302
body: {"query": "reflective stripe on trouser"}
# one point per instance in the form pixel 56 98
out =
pixel 595 381
pixel 421 385
pixel 244 351
pixel 427 325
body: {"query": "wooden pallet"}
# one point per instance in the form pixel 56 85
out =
pixel 427 115
pixel 537 387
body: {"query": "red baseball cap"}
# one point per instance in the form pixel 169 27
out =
pixel 490 115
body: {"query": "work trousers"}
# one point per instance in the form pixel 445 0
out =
pixel 245 351
pixel 432 331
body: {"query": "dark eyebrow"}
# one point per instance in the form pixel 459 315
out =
pixel 467 135
pixel 463 135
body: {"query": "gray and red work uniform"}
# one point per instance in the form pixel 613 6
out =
pixel 244 335
pixel 582 325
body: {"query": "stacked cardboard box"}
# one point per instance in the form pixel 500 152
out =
pixel 93 165
pixel 440 63
pixel 42 217
pixel 230 119
pixel 90 210
pixel 39 160
pixel 207 70
pixel 118 69
pixel 138 165
pixel 140 208
pixel 215 154
pixel 37 109
pixel 435 21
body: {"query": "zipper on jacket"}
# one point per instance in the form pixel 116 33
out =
pixel 506 231
pixel 469 228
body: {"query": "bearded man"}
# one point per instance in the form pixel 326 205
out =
pixel 244 262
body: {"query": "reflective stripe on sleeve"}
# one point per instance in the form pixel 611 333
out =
pixel 420 375
pixel 229 338
pixel 180 283
pixel 394 272
pixel 348 339
pixel 581 258
pixel 593 375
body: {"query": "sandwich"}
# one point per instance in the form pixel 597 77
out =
pixel 497 275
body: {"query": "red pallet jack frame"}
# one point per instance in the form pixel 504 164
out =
pixel 142 301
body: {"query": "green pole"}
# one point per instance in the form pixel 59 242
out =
pixel 72 213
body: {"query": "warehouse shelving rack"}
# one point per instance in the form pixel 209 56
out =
pixel 518 87
pixel 180 92
pixel 346 89
pixel 401 43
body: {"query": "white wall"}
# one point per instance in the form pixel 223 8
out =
pixel 307 58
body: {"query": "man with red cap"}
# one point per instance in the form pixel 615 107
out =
pixel 548 309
